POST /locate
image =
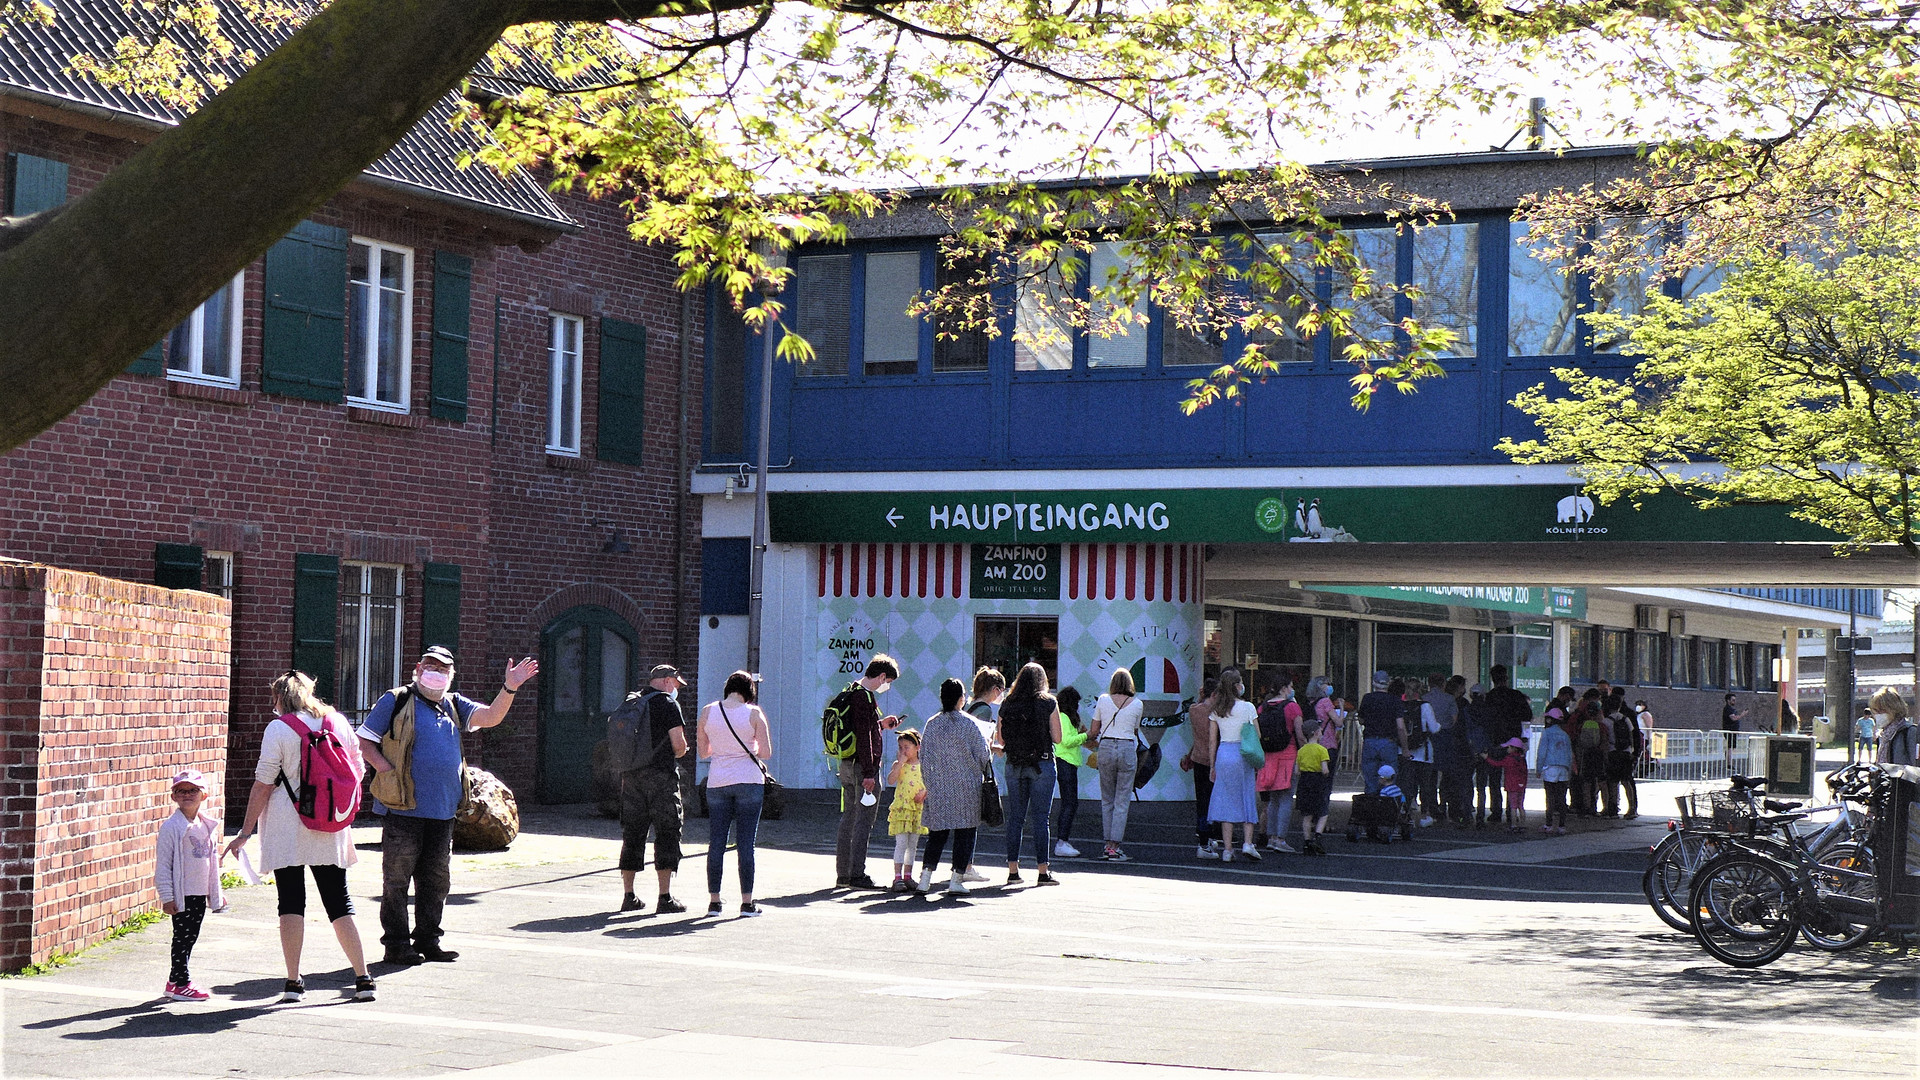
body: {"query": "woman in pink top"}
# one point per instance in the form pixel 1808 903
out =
pixel 733 736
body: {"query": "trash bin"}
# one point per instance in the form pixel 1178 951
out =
pixel 1790 765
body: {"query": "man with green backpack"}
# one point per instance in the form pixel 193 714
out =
pixel 850 730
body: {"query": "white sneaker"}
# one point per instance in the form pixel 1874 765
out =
pixel 1281 846
pixel 1226 855
pixel 1064 850
pixel 1250 852
pixel 958 886
pixel 973 875
pixel 1207 851
pixel 926 879
pixel 1426 822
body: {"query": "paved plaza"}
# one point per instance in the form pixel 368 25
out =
pixel 1460 954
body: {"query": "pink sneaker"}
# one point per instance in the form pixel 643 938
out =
pixel 185 993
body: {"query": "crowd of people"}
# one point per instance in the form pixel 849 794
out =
pixel 1261 753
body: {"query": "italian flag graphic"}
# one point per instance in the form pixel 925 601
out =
pixel 1156 675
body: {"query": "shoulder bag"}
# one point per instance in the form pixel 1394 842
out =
pixel 766 777
pixel 992 815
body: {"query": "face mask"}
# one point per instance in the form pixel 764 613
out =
pixel 1880 718
pixel 435 681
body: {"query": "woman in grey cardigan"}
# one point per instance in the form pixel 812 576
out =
pixel 953 758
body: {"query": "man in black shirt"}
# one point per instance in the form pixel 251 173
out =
pixel 1508 710
pixel 1383 730
pixel 650 794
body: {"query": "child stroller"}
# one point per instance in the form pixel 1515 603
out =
pixel 1381 816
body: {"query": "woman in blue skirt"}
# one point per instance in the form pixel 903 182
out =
pixel 1234 800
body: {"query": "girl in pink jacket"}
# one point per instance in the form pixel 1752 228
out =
pixel 1512 763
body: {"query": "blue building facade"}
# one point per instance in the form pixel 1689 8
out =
pixel 969 500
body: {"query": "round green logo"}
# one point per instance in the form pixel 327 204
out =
pixel 1270 515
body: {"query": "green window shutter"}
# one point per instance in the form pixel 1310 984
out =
pixel 34 184
pixel 177 566
pixel 440 606
pixel 303 332
pixel 151 362
pixel 316 618
pixel 452 308
pixel 623 384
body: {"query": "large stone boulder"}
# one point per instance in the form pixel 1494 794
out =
pixel 488 818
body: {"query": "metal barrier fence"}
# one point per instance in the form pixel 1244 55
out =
pixel 1674 754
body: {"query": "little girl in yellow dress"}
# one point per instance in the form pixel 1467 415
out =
pixel 903 817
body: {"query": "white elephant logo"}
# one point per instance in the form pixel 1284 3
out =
pixel 1576 509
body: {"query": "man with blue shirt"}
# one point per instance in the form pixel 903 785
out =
pixel 417 788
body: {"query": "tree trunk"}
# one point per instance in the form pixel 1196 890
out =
pixel 109 275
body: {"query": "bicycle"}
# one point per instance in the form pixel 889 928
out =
pixel 1748 904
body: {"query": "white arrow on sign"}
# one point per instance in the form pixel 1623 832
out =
pixel 893 516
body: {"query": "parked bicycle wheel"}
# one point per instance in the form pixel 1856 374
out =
pixel 1831 931
pixel 1742 910
pixel 1668 880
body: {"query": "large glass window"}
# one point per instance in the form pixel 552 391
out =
pixel 890 336
pixel 1541 302
pixel 1615 659
pixel 1283 290
pixel 370 606
pixel 1126 347
pixel 1042 333
pixel 206 347
pixel 1739 665
pixel 1374 315
pixel 956 348
pixel 1446 277
pixel 1265 640
pixel 216 575
pixel 1682 653
pixel 1010 643
pixel 1625 293
pixel 727 391
pixel 1649 658
pixel 1412 652
pixel 1713 663
pixel 1581 667
pixel 1527 651
pixel 563 385
pixel 824 310
pixel 379 325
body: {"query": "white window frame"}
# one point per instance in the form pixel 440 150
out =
pixel 381 251
pixel 216 573
pixel 196 328
pixel 357 700
pixel 556 354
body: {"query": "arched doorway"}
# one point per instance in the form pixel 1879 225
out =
pixel 587 666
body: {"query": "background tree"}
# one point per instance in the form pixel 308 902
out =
pixel 698 114
pixel 1794 384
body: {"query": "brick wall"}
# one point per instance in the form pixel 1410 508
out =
pixel 129 687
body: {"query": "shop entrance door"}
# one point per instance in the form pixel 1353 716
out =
pixel 1010 642
pixel 587 659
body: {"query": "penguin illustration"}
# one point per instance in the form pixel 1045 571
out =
pixel 1313 520
pixel 1300 516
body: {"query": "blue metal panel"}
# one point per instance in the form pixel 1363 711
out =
pixel 1308 420
pixel 1096 418
pixel 725 573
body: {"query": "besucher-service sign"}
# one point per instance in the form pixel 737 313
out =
pixel 1491 513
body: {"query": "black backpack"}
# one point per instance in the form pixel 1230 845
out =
pixel 1275 733
pixel 1626 733
pixel 628 745
pixel 1023 728
pixel 1416 731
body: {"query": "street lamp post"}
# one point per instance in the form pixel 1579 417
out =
pixel 775 254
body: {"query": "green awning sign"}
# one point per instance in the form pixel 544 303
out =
pixel 1331 515
pixel 1552 601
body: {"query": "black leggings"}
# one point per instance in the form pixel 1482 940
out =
pixel 1068 777
pixel 186 931
pixel 962 848
pixel 1557 803
pixel 291 884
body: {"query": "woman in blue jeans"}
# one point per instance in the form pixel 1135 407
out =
pixel 1029 727
pixel 733 736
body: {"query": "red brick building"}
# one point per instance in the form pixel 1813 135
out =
pixel 449 408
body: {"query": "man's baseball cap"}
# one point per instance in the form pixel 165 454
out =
pixel 438 652
pixel 665 671
pixel 1381 679
pixel 190 776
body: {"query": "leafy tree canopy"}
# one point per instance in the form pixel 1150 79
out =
pixel 722 124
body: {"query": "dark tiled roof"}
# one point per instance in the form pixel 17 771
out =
pixel 34 59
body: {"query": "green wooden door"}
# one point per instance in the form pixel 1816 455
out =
pixel 588 665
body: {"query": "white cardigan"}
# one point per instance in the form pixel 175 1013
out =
pixel 285 840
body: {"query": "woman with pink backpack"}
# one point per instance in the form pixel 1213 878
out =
pixel 306 791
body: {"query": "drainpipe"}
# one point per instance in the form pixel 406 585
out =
pixel 682 481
